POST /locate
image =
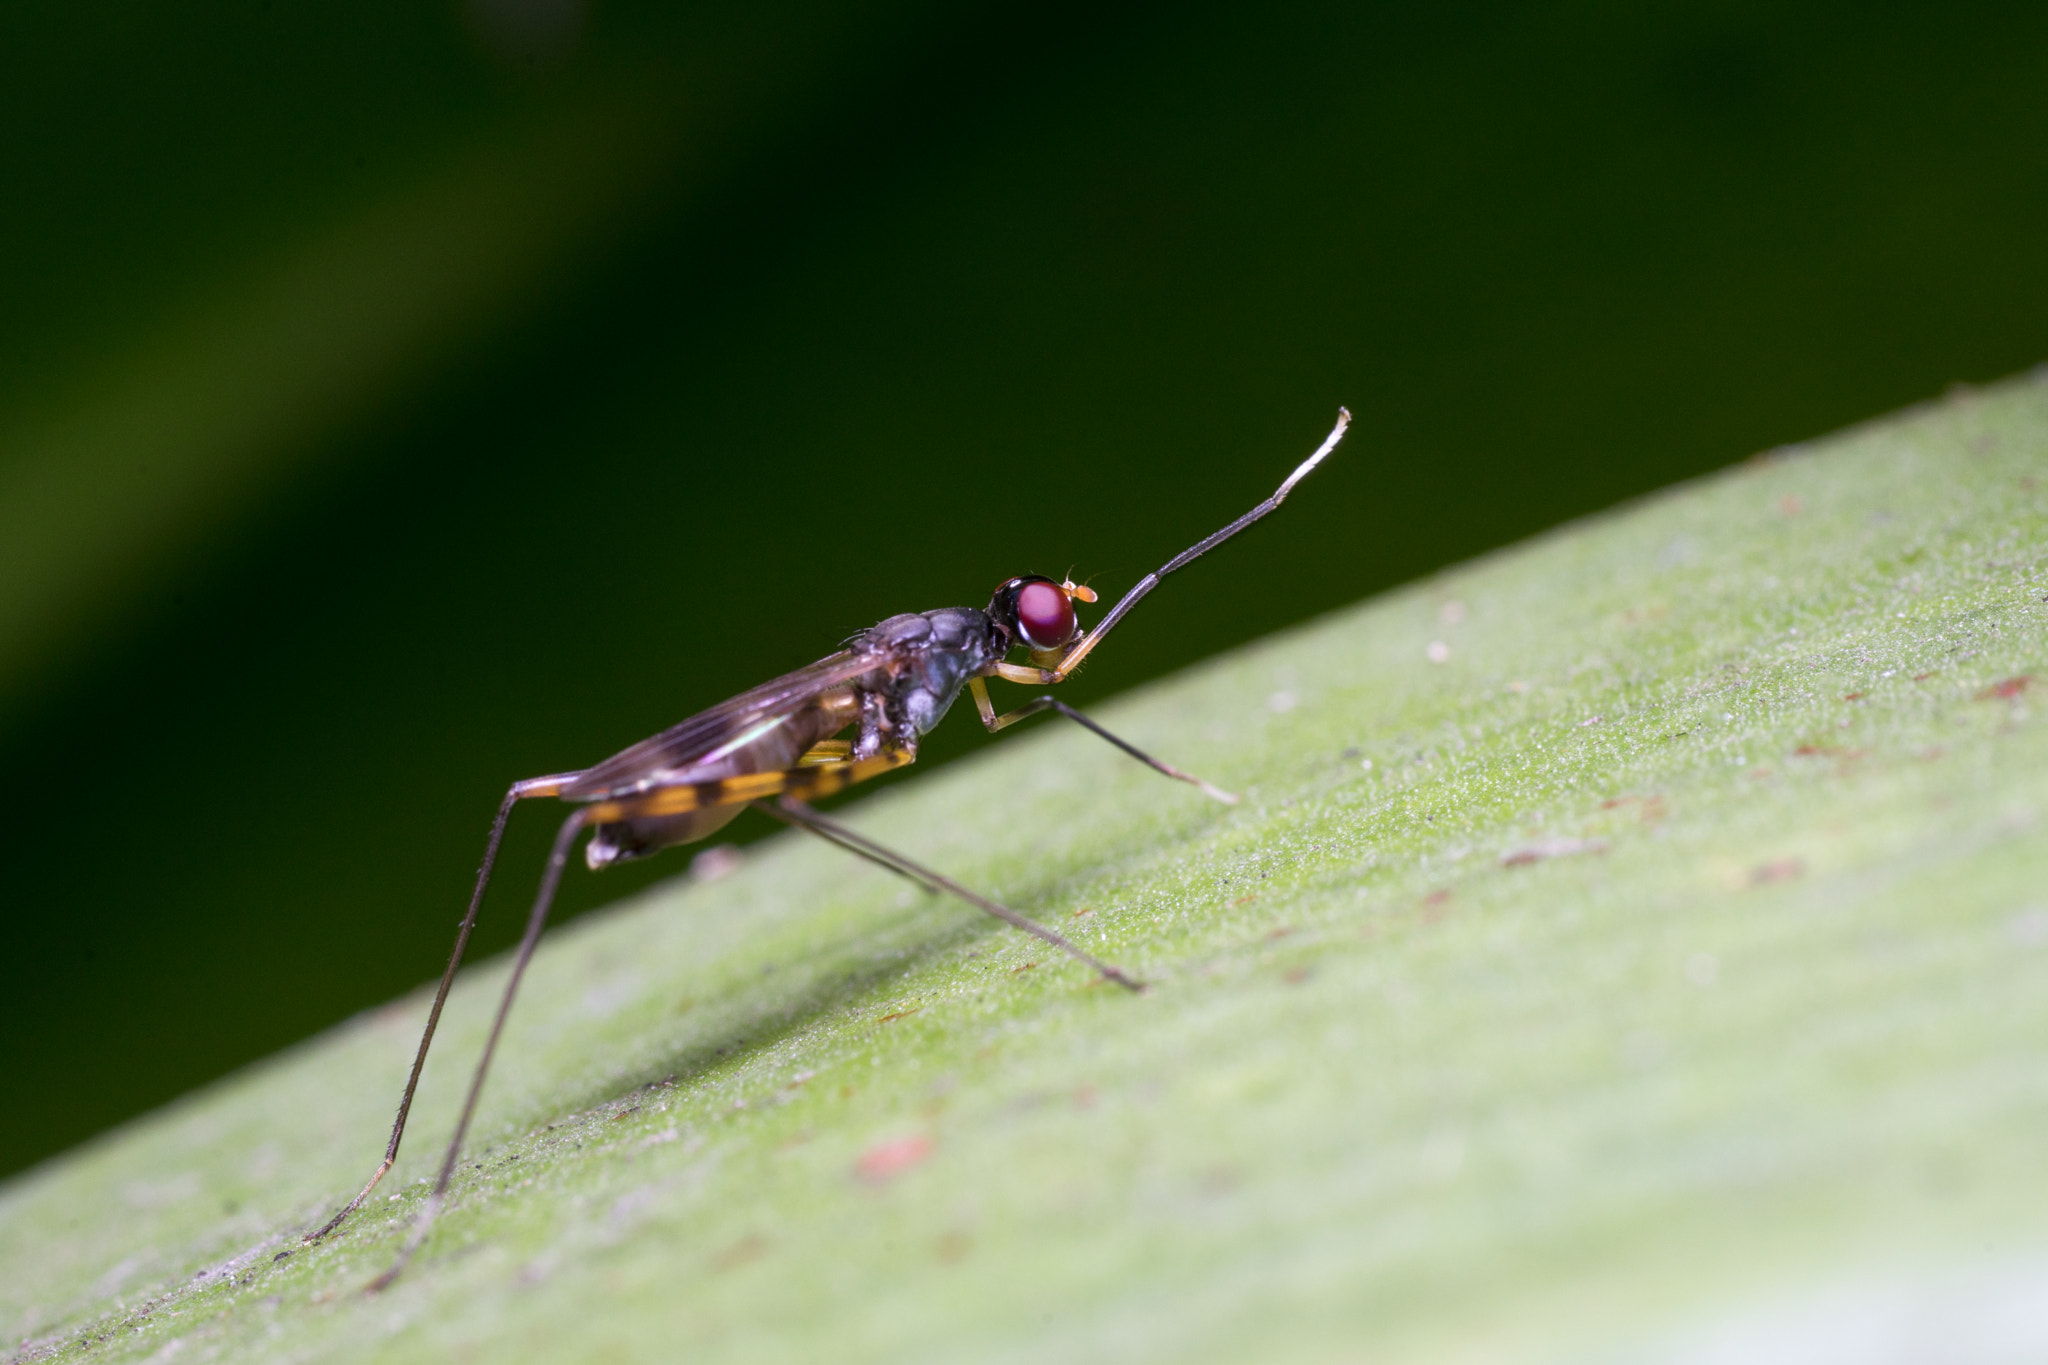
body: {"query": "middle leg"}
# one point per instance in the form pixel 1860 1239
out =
pixel 793 812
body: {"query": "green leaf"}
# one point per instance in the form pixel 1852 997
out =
pixel 1630 945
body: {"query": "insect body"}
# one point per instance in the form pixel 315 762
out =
pixel 895 682
pixel 776 748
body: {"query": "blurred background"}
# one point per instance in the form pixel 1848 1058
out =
pixel 400 398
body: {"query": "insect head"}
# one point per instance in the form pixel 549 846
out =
pixel 1038 613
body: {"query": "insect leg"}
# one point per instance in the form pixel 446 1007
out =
pixel 820 778
pixel 535 921
pixel 792 811
pixel 857 851
pixel 996 723
pixel 519 791
pixel 827 751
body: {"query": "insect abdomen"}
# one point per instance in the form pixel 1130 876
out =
pixel 775 748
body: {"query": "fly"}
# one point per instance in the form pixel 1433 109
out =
pixel 775 748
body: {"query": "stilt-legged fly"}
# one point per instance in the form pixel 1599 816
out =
pixel 893 683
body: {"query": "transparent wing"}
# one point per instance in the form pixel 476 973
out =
pixel 687 741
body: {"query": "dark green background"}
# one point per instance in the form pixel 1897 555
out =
pixel 893 303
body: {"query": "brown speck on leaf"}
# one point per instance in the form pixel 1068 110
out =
pixel 1825 752
pixel 1282 931
pixel 715 863
pixel 885 1161
pixel 1923 677
pixel 1777 870
pixel 954 1246
pixel 1297 975
pixel 1025 968
pixel 899 1014
pixel 1852 696
pixel 748 1248
pixel 2005 689
pixel 1551 848
pixel 1242 900
pixel 1791 505
pixel 1083 911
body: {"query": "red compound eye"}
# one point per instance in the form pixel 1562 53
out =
pixel 1044 615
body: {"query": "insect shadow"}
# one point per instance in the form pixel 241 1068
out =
pixel 751 1011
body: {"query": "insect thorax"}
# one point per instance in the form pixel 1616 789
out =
pixel 940 650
